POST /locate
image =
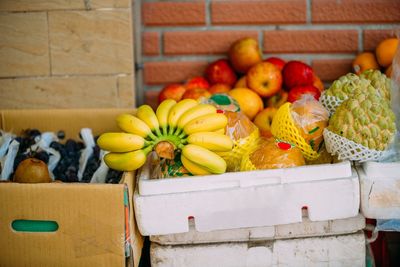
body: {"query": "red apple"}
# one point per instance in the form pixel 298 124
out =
pixel 297 73
pixel 280 63
pixel 244 53
pixel 174 91
pixel 219 88
pixel 265 79
pixel 277 99
pixel 197 82
pixel 196 93
pixel 296 92
pixel 220 72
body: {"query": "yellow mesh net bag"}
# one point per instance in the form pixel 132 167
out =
pixel 284 128
pixel 244 135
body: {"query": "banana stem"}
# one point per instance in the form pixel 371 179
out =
pixel 178 131
pixel 182 135
pixel 152 136
pixel 147 149
pixel 158 132
pixel 171 130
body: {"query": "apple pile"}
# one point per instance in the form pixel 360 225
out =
pixel 260 86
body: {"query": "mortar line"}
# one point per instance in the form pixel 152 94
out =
pixel 65 76
pixel 274 27
pixel 208 13
pixel 360 40
pixel 308 12
pixel 49 44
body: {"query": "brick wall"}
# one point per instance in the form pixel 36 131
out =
pixel 179 38
pixel 66 54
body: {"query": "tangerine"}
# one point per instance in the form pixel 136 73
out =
pixel 386 50
pixel 249 101
pixel 365 61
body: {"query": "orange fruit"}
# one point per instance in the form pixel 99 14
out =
pixel 249 101
pixel 241 83
pixel 365 61
pixel 385 51
pixel 263 121
pixel 388 71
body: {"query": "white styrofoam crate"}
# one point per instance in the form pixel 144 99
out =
pixel 306 228
pixel 246 199
pixel 380 190
pixel 343 250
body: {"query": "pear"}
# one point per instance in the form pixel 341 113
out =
pixel 32 170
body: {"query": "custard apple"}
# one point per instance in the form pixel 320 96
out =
pixel 365 119
pixel 379 81
pixel 346 85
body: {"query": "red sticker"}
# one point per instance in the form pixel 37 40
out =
pixel 284 146
pixel 220 111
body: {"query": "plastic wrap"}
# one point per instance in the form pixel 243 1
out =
pixel 244 135
pixel 271 153
pixel 87 152
pixel 7 162
pixel 311 118
pixel 167 168
pixel 393 153
pixel 302 125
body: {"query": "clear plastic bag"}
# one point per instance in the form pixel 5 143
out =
pixel 7 162
pixel 87 152
pixel 393 152
pixel 271 153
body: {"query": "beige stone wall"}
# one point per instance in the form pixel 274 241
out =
pixel 66 54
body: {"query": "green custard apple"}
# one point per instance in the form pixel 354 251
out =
pixel 366 119
pixel 345 86
pixel 379 81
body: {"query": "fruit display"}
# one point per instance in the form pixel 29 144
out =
pixel 185 127
pixel 380 59
pixel 283 100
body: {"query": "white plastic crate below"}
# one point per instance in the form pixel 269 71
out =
pixel 341 251
pixel 246 199
pixel 380 190
pixel 306 228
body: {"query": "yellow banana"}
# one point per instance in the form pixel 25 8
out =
pixel 134 125
pixel 195 112
pixel 205 158
pixel 128 161
pixel 192 167
pixel 220 131
pixel 177 111
pixel 211 140
pixel 162 113
pixel 121 142
pixel 146 114
pixel 206 123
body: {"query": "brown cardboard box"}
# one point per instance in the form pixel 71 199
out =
pixel 91 218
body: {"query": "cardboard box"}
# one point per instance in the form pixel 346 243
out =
pixel 92 221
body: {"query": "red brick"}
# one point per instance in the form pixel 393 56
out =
pixel 258 12
pixel 311 41
pixel 373 37
pixel 172 72
pixel 151 43
pixel 202 42
pixel 331 69
pixel 355 11
pixel 174 13
pixel 151 98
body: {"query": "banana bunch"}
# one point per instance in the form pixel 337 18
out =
pixel 196 130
